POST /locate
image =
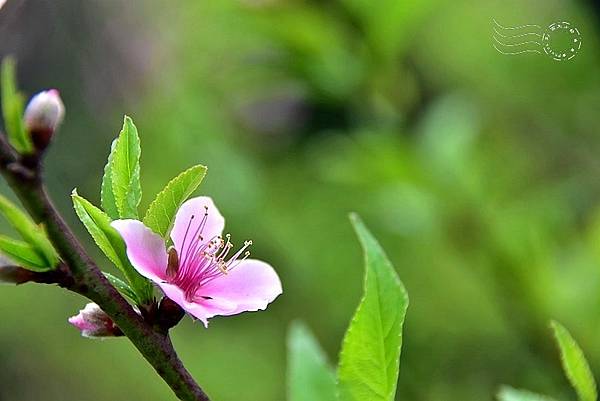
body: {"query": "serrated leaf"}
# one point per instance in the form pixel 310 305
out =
pixel 123 287
pixel 33 234
pixel 507 393
pixel 111 243
pixel 12 108
pixel 107 196
pixel 370 356
pixel 310 378
pixel 125 171
pixel 574 364
pixel 23 254
pixel 161 212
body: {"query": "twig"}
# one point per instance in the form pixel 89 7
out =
pixel 151 340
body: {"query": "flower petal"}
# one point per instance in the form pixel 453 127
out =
pixel 145 249
pixel 202 309
pixel 251 286
pixel 185 224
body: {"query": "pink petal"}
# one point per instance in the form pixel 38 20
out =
pixel 145 249
pixel 202 309
pixel 196 207
pixel 251 286
pixel 81 323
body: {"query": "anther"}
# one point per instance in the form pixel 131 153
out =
pixel 222 266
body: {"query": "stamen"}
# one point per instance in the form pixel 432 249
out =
pixel 197 238
pixel 233 261
pixel 186 232
pixel 222 266
pixel 203 259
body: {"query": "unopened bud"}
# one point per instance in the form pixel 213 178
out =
pixel 93 322
pixel 43 115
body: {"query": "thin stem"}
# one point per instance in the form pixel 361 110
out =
pixel 153 343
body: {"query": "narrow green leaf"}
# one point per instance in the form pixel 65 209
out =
pixel 370 356
pixel 107 196
pixel 161 212
pixel 125 171
pixel 110 242
pixel 98 225
pixel 123 287
pixel 33 234
pixel 507 393
pixel 12 108
pixel 23 254
pixel 574 364
pixel 310 378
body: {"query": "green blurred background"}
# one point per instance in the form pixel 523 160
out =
pixel 479 173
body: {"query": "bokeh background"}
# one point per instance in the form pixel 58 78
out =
pixel 479 173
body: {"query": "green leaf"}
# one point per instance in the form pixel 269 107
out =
pixel 110 242
pixel 574 364
pixel 125 171
pixel 370 356
pixel 161 212
pixel 33 234
pixel 23 254
pixel 512 394
pixel 107 196
pixel 123 287
pixel 12 108
pixel 310 378
pixel 98 225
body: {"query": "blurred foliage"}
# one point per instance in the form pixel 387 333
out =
pixel 477 171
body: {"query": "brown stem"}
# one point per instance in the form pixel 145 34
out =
pixel 87 279
pixel 18 275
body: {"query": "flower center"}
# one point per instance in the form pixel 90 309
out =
pixel 202 260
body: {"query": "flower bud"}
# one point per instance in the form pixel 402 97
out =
pixel 93 322
pixel 43 115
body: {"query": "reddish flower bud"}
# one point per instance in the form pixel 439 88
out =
pixel 93 322
pixel 43 115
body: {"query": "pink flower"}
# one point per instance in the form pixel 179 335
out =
pixel 94 322
pixel 197 272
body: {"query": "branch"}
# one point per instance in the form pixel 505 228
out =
pixel 153 342
pixel 19 275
